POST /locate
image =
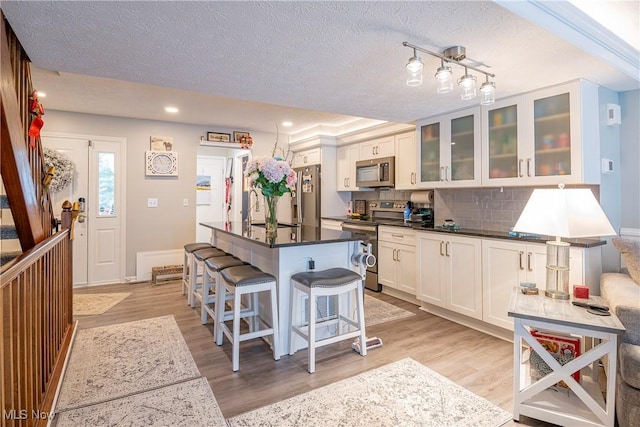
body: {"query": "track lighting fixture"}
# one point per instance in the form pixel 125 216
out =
pixel 443 75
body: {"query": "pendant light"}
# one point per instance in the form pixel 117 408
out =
pixel 414 70
pixel 468 85
pixel 443 78
pixel 487 92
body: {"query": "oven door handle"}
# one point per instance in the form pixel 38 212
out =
pixel 356 227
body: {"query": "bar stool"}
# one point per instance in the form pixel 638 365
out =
pixel 210 304
pixel 338 282
pixel 189 248
pixel 197 269
pixel 246 280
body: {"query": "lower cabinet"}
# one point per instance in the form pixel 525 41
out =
pixel 507 264
pixel 450 272
pixel 397 259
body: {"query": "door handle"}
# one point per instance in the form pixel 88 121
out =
pixel 447 247
pixel 441 251
pixel 398 255
pixel 529 261
pixel 528 167
pixel 413 177
pixel 447 173
pixel 441 171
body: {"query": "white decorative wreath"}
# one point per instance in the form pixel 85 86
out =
pixel 65 168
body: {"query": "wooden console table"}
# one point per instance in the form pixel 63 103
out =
pixel 584 403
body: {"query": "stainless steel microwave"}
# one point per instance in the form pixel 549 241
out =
pixel 376 172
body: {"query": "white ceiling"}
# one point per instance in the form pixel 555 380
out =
pixel 251 65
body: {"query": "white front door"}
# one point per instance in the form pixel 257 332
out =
pixel 98 244
pixel 210 194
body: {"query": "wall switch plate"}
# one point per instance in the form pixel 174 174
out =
pixel 185 202
pixel 613 115
pixel 152 203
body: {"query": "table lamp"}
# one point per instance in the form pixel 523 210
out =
pixel 570 213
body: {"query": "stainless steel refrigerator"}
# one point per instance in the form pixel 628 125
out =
pixel 305 202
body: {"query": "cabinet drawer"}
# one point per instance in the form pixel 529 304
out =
pixel 397 235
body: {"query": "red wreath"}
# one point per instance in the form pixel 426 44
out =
pixel 37 111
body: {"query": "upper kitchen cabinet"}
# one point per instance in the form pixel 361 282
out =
pixel 449 150
pixel 347 156
pixel 546 137
pixel 406 176
pixel 381 147
pixel 307 158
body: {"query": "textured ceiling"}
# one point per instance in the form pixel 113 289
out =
pixel 250 65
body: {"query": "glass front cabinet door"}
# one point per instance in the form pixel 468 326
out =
pixel 540 138
pixel 450 150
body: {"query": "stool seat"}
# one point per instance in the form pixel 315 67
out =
pixel 246 275
pixel 192 247
pixel 326 278
pixel 221 262
pixel 202 254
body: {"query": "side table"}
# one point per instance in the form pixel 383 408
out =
pixel 584 403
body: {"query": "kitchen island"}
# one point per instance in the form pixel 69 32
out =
pixel 284 255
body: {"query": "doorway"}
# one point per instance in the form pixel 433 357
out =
pixel 99 242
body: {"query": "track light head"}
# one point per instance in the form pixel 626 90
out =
pixel 443 79
pixel 468 85
pixel 487 93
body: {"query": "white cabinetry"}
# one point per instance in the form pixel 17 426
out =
pixel 545 137
pixel 507 264
pixel 331 224
pixel 406 150
pixel 449 151
pixel 347 156
pixel 380 147
pixel 450 272
pixel 397 259
pixel 307 158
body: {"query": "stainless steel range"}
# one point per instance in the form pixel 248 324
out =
pixel 380 212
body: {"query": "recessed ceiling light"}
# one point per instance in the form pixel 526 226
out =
pixel 42 94
pixel 171 109
pixel 287 124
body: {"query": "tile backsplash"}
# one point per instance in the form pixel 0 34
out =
pixel 494 209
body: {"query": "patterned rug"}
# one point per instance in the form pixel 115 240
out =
pixel 89 304
pixel 377 311
pixel 187 404
pixel 404 393
pixel 120 360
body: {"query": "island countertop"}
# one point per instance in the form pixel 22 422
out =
pixel 288 234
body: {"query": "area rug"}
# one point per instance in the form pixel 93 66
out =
pixel 89 304
pixel 187 404
pixel 377 311
pixel 404 393
pixel 119 360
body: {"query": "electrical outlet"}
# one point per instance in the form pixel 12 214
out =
pixel 152 203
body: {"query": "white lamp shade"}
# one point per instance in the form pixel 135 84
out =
pixel 569 213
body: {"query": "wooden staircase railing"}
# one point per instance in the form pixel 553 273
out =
pixel 36 321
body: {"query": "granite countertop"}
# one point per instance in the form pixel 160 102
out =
pixel 288 234
pixel 489 234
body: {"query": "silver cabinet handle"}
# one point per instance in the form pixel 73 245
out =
pixel 520 168
pixel 447 173
pixel 441 173
pixel 528 167
pixel 529 267
pixel 447 247
pixel 413 178
pixel 520 256
pixel 398 255
pixel 398 235
pixel 441 251
pixel 395 255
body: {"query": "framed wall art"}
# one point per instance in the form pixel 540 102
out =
pixel 237 136
pixel 218 137
pixel 161 143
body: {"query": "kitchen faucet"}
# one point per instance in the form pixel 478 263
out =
pixel 257 206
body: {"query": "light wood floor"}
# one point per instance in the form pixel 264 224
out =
pixel 474 360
